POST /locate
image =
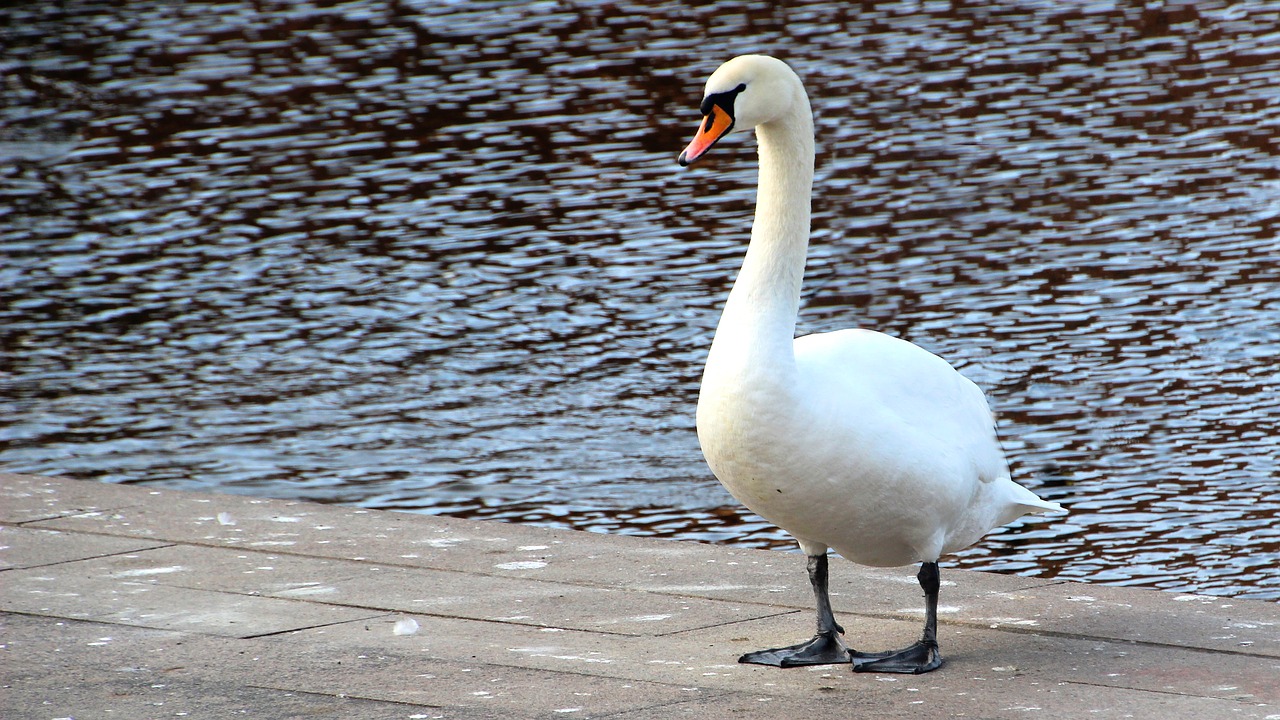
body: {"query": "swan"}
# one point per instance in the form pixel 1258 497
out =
pixel 849 440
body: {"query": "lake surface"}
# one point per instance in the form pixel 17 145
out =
pixel 438 256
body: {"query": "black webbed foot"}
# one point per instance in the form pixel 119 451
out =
pixel 919 658
pixel 823 649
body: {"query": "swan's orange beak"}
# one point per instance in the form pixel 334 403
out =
pixel 714 126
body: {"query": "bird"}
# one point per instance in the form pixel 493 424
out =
pixel 850 440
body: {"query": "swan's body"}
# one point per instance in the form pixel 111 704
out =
pixel 864 443
pixel 851 440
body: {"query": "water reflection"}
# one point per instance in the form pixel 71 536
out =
pixel 438 256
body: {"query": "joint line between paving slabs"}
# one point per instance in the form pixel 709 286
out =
pixel 381 614
pixel 96 557
pixel 345 696
pixel 727 623
pixel 71 514
pixel 1163 692
pixel 471 618
pixel 1118 641
pixel 711 693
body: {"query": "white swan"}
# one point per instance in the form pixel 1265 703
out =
pixel 851 440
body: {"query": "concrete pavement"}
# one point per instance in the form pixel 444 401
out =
pixel 130 602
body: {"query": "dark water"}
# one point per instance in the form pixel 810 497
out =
pixel 438 256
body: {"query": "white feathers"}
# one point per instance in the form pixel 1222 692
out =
pixel 852 439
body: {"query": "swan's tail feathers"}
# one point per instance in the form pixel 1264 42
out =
pixel 1028 502
pixel 1042 506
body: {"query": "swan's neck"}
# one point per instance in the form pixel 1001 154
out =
pixel 757 329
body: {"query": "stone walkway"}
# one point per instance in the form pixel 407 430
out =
pixel 129 602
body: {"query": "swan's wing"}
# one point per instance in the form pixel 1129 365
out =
pixel 912 401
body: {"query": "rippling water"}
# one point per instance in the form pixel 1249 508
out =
pixel 438 256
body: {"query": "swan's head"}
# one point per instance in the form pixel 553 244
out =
pixel 747 91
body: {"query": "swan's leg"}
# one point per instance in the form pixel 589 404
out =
pixel 826 648
pixel 920 657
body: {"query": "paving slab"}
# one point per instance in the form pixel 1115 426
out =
pixel 412 590
pixel 1061 701
pixel 23 547
pixel 401 672
pixel 27 498
pixel 38 591
pixel 1176 619
pixel 974 656
pixel 141 603
pixel 79 669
